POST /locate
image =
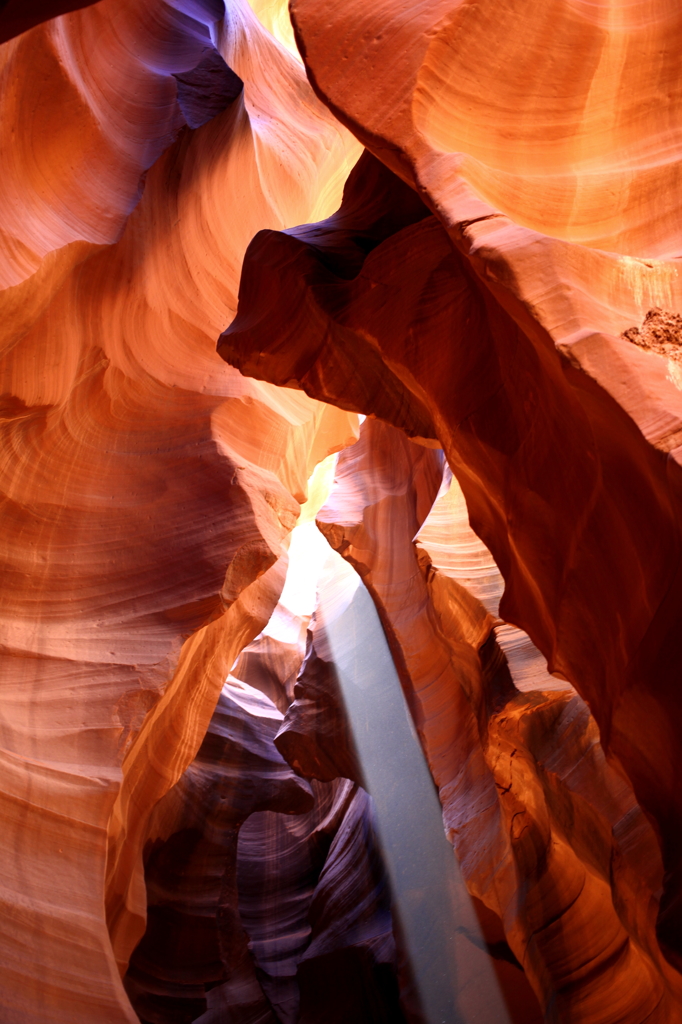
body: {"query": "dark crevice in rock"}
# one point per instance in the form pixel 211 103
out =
pixel 207 90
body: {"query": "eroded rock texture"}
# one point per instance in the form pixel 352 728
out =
pixel 493 283
pixel 194 939
pixel 267 896
pixel 526 790
pixel 563 461
pixel 147 487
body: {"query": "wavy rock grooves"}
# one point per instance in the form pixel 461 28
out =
pixel 147 487
pixel 460 220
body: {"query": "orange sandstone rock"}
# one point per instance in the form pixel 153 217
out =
pixel 577 505
pixel 547 831
pixel 147 488
pixel 501 281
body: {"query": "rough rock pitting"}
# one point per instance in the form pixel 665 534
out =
pixel 661 332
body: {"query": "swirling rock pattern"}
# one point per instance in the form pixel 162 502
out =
pixel 314 899
pixel 267 899
pixel 194 939
pixel 587 542
pixel 465 569
pixel 501 281
pixel 145 514
pixel 478 730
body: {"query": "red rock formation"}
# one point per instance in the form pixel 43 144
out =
pixel 194 939
pixel 525 788
pixel 501 280
pixel 467 586
pixel 587 541
pixel 17 17
pixel 144 508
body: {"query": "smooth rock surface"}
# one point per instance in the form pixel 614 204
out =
pixel 499 293
pixel 145 515
pixel 576 500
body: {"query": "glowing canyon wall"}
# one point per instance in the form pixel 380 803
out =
pixel 440 238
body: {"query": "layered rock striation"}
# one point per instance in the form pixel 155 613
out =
pixel 494 284
pixel 577 505
pixel 526 790
pixel 145 513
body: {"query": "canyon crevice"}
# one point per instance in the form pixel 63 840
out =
pixel 300 301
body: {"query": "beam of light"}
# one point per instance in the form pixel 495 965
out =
pixel 453 972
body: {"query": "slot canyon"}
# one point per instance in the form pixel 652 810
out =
pixel 341 537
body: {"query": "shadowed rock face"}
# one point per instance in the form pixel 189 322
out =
pixel 207 90
pixel 499 292
pixel 145 517
pixel 314 737
pixel 17 16
pixel 267 899
pixel 586 541
pixel 194 939
pixel 314 900
pixel 525 787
